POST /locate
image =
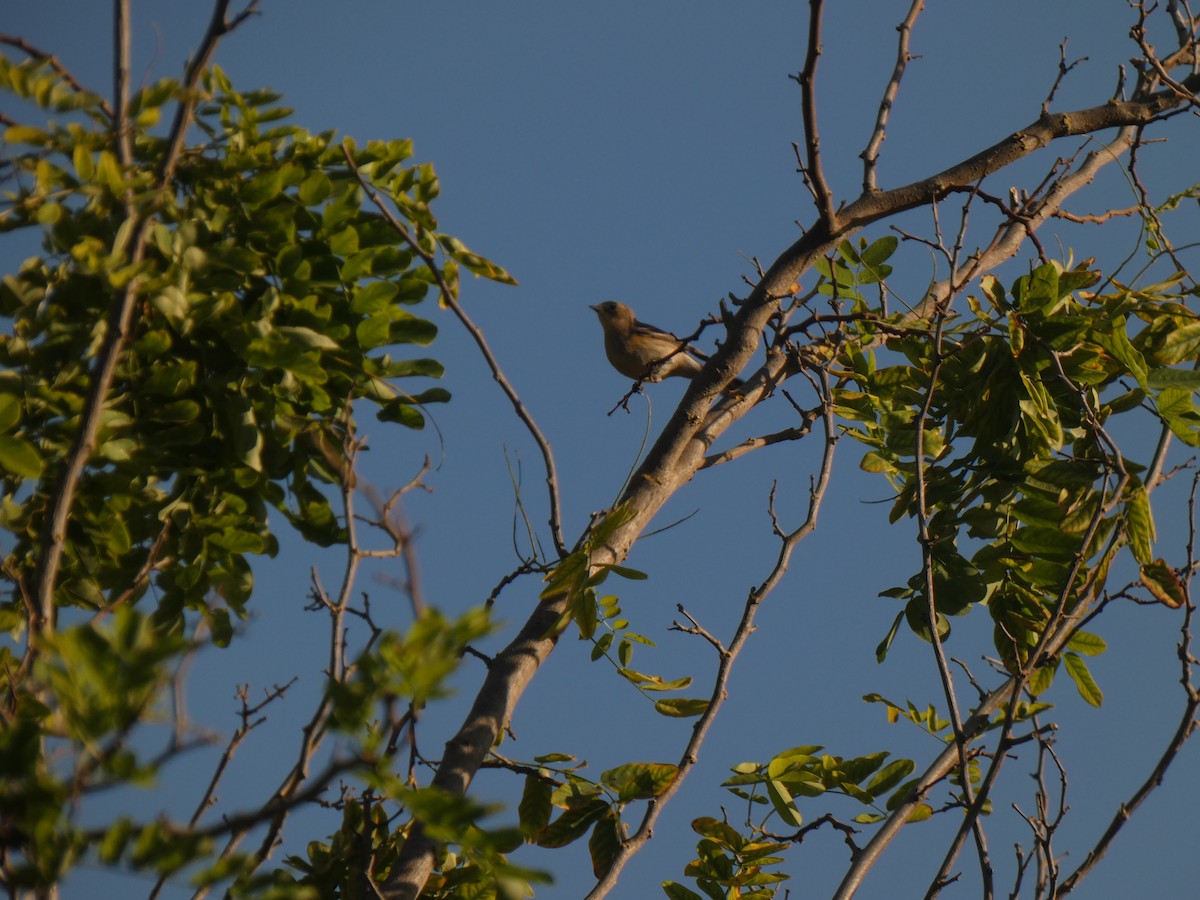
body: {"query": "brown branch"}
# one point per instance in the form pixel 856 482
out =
pixel 870 154
pixel 219 25
pixel 1183 731
pixel 1063 70
pixel 42 56
pixel 727 658
pixel 1096 220
pixel 481 342
pixel 756 443
pixel 685 441
pixel 248 724
pixel 1186 94
pixel 122 130
pixel 1059 630
pixel 120 320
pixel 935 638
pixel 814 174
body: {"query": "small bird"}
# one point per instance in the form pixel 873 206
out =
pixel 643 352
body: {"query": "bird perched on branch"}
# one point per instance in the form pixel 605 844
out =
pixel 643 352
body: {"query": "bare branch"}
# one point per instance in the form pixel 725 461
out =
pixel 727 656
pixel 1063 70
pixel 814 174
pixel 1097 219
pixel 943 667
pixel 1186 94
pixel 481 342
pixel 23 45
pixel 121 51
pixel 219 25
pixel 697 422
pixel 1187 726
pixel 870 154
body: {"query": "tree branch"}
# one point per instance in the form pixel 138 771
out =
pixel 727 657
pixel 870 154
pixel 120 317
pixel 481 342
pixel 814 174
pixel 685 441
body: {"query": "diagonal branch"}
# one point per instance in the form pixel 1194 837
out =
pixel 53 62
pixel 1187 726
pixel 481 342
pixel 728 655
pixel 870 154
pixel 685 442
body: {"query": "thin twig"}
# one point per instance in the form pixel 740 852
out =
pixel 727 656
pixel 51 60
pixel 870 154
pixel 1187 726
pixel 813 172
pixel 481 342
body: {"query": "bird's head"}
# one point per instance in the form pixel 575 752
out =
pixel 610 312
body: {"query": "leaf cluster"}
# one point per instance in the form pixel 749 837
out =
pixel 586 805
pixel 1025 492
pixel 267 301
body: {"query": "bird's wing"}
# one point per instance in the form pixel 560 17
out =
pixel 653 329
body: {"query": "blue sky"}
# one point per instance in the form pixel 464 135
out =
pixel 642 152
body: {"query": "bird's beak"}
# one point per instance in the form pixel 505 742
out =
pixel 594 308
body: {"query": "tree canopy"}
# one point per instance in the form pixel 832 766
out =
pixel 222 301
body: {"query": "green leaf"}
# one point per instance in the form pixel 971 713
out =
pixel 572 824
pixel 676 891
pixel 881 650
pixel 1086 643
pixel 221 627
pixel 374 297
pixel 307 337
pixel 626 572
pixel 880 251
pixel 1127 356
pixel 1160 579
pixel 681 708
pixel 403 413
pixel 1186 379
pixel 719 832
pixel 1180 344
pixel 10 412
pixel 262 187
pixel 639 781
pixel 605 843
pixel 890 776
pixel 535 806
pixel 315 189
pixel 920 813
pixel 473 262
pixel 1041 680
pixel 1084 682
pixel 1042 542
pixel 20 457
pixel 1139 525
pixel 781 800
pixel 875 462
pixel 25 134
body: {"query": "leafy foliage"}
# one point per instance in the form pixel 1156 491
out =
pixel 586 805
pixel 268 299
pixel 1018 407
pixel 267 303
